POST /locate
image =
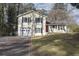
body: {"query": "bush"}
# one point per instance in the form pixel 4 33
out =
pixel 74 27
pixel 76 30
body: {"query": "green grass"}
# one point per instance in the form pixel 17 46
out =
pixel 56 45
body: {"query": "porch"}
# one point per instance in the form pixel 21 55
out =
pixel 57 28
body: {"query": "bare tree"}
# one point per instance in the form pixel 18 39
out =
pixel 59 14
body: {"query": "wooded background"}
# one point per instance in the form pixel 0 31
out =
pixel 10 11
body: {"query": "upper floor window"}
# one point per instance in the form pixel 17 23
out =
pixel 29 19
pixel 38 20
pixel 26 19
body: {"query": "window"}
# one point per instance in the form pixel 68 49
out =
pixel 41 20
pixel 60 27
pixel 23 30
pixel 54 26
pixel 38 20
pixel 27 20
pixel 63 27
pixel 38 30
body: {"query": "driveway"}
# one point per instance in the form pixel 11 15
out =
pixel 15 46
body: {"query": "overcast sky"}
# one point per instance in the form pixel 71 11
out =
pixel 48 6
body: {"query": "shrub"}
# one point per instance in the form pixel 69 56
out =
pixel 74 27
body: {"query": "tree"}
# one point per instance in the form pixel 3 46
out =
pixel 2 21
pixel 59 14
pixel 12 19
pixel 24 7
pixel 59 6
pixel 75 27
pixel 75 5
pixel 28 6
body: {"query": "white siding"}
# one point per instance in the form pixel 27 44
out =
pixel 33 15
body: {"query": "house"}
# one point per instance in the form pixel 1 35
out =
pixel 31 23
pixel 58 27
pixel 34 23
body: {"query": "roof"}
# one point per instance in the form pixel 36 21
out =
pixel 57 23
pixel 37 11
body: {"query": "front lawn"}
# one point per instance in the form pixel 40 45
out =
pixel 56 45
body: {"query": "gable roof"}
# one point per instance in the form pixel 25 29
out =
pixel 37 11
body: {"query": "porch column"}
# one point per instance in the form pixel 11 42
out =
pixel 57 27
pixel 65 27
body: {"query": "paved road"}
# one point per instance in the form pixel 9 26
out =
pixel 15 46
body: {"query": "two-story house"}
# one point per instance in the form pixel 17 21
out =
pixel 33 23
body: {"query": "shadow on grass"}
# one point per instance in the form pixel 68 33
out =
pixel 15 48
pixel 57 44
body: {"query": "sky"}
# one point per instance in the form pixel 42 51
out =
pixel 48 6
